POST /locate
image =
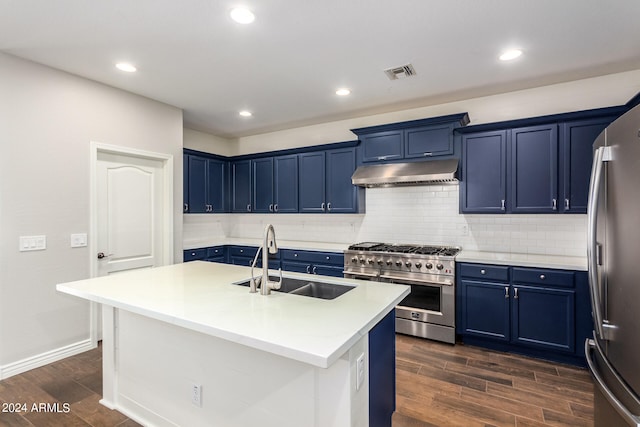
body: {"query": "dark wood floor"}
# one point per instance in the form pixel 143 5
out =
pixel 444 385
pixel 437 385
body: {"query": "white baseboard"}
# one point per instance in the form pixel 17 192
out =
pixel 42 359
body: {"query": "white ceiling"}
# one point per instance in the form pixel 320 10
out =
pixel 286 66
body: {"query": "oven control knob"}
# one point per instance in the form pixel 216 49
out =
pixel 361 260
pixel 354 259
pixel 408 264
pixel 429 266
pixel 369 261
pixel 398 263
pixel 418 265
pixel 380 261
pixel 439 266
pixel 389 262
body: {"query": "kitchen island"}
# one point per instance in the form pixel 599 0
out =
pixel 184 345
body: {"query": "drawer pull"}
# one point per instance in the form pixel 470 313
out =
pixel 483 271
pixel 542 277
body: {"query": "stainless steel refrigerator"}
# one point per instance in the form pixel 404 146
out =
pixel 613 355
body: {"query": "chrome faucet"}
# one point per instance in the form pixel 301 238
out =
pixel 269 246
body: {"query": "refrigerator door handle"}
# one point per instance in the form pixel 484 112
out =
pixel 599 157
pixel 629 418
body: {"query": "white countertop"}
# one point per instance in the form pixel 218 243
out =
pixel 282 244
pixel 524 260
pixel 200 296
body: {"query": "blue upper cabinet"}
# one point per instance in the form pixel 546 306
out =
pixel 484 172
pixel 428 141
pixel 206 183
pixel 185 183
pixel 325 181
pixel 382 146
pixel 286 183
pixel 534 169
pixel 275 184
pixel 241 186
pixel 576 151
pixel 262 171
pixel 412 140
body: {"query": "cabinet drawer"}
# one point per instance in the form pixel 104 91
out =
pixel 243 251
pixel 328 258
pixel 194 254
pixel 215 251
pixel 483 271
pixel 543 277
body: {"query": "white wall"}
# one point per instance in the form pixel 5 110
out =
pixel 47 120
pixel 208 143
pixel 597 92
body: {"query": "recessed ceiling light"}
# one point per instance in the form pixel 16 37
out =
pixel 510 54
pixel 343 91
pixel 245 113
pixel 125 66
pixel 242 15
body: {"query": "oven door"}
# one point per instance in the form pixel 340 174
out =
pixel 428 302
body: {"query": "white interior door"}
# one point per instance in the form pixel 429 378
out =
pixel 130 209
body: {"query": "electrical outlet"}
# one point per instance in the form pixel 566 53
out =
pixel 196 394
pixel 360 371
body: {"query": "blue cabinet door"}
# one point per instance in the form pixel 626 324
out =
pixel 197 184
pixel 428 141
pixel 382 372
pixel 341 194
pixel 484 309
pixel 286 183
pixel 576 148
pixel 216 184
pixel 544 317
pixel 262 171
pixel 533 173
pixel 241 186
pixel 311 188
pixel 382 146
pixel 185 183
pixel 484 161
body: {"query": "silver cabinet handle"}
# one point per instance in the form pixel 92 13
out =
pixel 483 271
pixel 506 292
pixel 554 204
pixel 308 269
pixel 515 293
pixel 271 207
pixel 322 206
pixel 382 157
pixel 295 255
pixel 186 207
pixel 502 204
pixel 592 244
pixel 314 270
pixel 329 206
pixel 428 154
pixel 275 207
pixel 542 277
pixel 566 204
pixel 249 208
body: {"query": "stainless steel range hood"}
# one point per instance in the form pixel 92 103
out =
pixel 416 173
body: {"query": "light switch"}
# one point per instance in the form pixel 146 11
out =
pixel 79 240
pixel 33 243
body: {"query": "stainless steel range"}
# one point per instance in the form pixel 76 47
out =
pixel 429 310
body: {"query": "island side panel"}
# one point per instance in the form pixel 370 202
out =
pixel 158 363
pixel 109 385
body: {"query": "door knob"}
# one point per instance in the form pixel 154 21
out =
pixel 102 255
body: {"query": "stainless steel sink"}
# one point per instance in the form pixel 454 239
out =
pixel 313 289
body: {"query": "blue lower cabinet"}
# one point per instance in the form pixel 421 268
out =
pixel 216 254
pixel 313 262
pixel 540 312
pixel 382 372
pixel 194 254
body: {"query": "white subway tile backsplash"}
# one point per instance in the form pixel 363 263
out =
pixel 421 214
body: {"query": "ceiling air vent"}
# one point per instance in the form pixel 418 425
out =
pixel 400 72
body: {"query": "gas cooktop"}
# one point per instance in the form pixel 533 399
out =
pixel 405 249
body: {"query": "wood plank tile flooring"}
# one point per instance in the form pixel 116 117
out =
pixel 437 385
pixel 443 385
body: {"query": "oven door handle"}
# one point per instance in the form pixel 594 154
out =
pixel 417 282
pixel 351 273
